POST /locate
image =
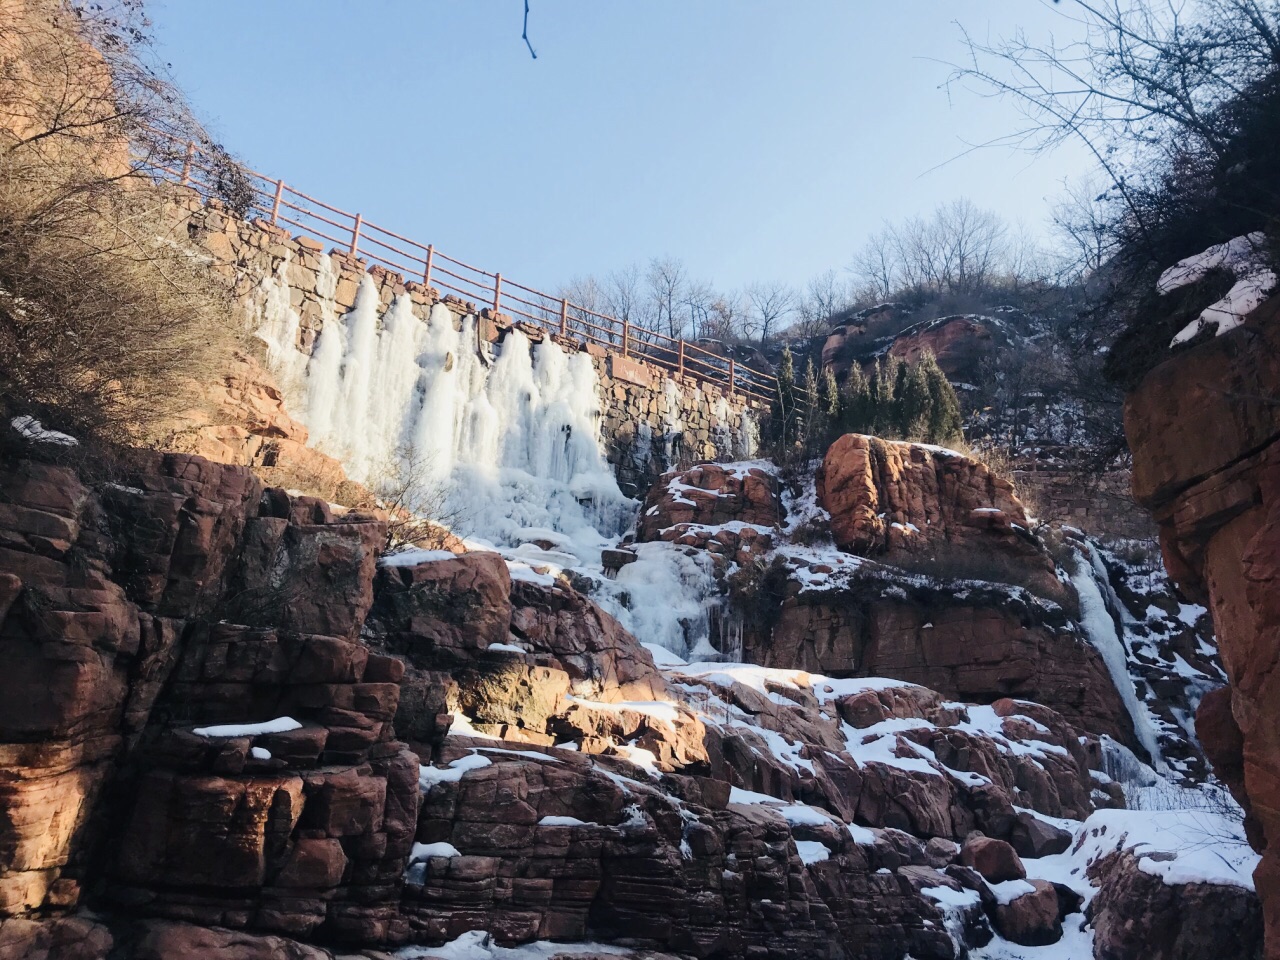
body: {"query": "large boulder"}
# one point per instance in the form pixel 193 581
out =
pixel 1140 916
pixel 946 512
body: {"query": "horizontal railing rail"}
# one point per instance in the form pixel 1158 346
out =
pixel 280 204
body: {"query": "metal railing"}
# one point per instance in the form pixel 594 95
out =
pixel 280 204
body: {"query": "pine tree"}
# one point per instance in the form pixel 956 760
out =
pixel 914 403
pixel 813 422
pixel 854 402
pixel 829 395
pixel 784 405
pixel 886 413
pixel 946 426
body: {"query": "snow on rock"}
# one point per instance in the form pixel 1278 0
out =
pixel 33 430
pixel 278 725
pixel 426 851
pixel 811 851
pixel 1246 258
pixel 479 945
pixel 428 777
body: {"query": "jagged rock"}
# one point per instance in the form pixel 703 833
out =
pixel 1139 916
pixel 1033 837
pixel 690 508
pixel 178 941
pixel 995 860
pixel 897 499
pixel 63 938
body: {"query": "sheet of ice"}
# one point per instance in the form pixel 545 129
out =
pixel 508 438
pixel 278 725
pixel 1101 631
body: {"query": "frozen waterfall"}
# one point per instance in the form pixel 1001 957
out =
pixel 506 437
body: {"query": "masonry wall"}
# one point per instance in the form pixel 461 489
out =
pixel 651 419
pixel 1103 506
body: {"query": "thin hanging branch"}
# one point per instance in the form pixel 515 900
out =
pixel 525 35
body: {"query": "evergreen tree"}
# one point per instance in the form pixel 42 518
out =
pixel 886 408
pixel 914 402
pixel 855 400
pixel 946 426
pixel 829 395
pixel 783 412
pixel 813 422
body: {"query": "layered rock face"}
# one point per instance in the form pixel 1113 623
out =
pixel 931 576
pixel 1203 426
pixel 229 731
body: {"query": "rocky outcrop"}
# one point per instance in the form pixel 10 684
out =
pixel 242 419
pixel 728 510
pixel 974 642
pixel 206 682
pixel 897 500
pixel 1140 916
pixel 1204 428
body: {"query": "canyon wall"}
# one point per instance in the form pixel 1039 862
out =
pixel 1204 427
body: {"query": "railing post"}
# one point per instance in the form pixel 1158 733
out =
pixel 626 334
pixel 564 317
pixel 426 274
pixel 275 204
pixel 731 376
pixel 497 293
pixel 355 234
pixel 680 360
pixel 186 162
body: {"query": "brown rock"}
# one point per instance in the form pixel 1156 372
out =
pixel 1031 919
pixel 1137 916
pixel 996 860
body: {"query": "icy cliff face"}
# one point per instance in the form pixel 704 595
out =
pixel 508 435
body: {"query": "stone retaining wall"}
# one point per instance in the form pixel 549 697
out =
pixel 1101 507
pixel 651 419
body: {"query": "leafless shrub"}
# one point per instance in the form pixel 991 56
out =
pixel 416 501
pixel 108 316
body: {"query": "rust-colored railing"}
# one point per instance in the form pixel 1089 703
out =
pixel 280 204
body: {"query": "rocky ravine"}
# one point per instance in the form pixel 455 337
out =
pixel 232 733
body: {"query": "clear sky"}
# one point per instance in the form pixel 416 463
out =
pixel 754 139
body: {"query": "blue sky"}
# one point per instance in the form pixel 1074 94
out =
pixel 755 140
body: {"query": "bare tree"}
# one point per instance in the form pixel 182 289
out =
pixel 109 317
pixel 726 318
pixel 1144 76
pixel 876 268
pixel 770 305
pixel 667 280
pixel 824 296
